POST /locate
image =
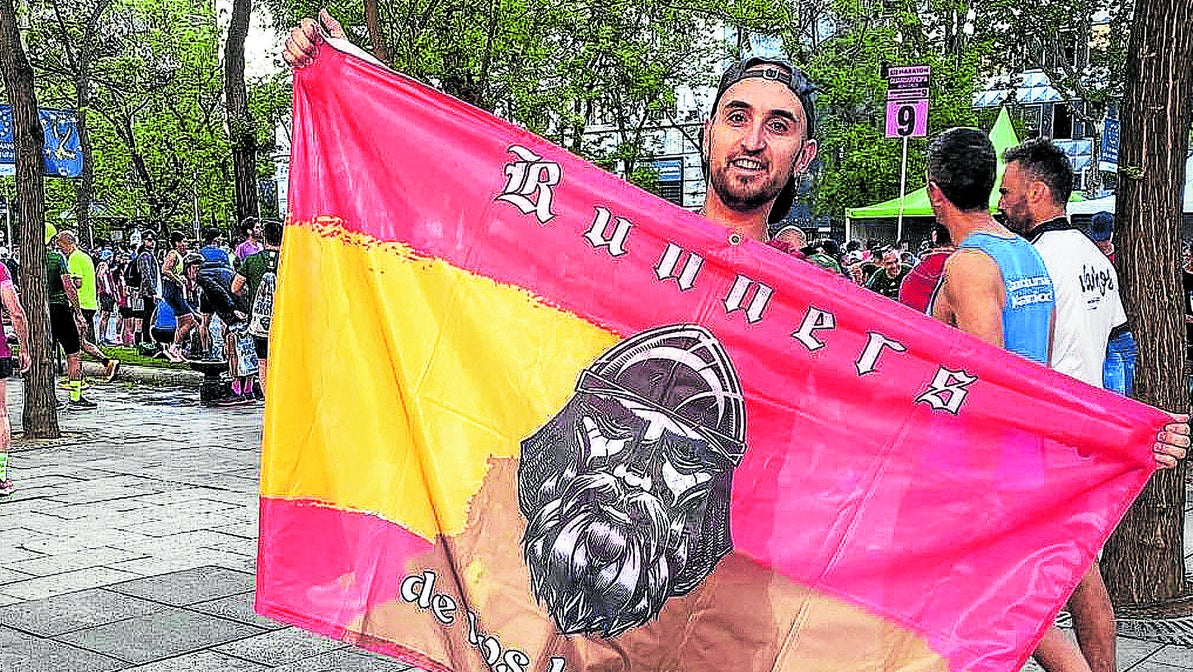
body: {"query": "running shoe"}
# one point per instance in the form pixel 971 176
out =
pixel 6 487
pixel 81 404
pixel 234 400
pixel 111 370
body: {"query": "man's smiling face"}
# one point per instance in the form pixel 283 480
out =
pixel 757 139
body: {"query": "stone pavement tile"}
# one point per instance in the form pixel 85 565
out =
pixel 1130 651
pixel 174 525
pixel 75 611
pixel 9 506
pixel 99 510
pixel 177 561
pixel 201 584
pixel 201 505
pixel 1177 656
pixel 48 479
pixel 68 582
pixel 46 655
pixel 237 608
pixel 203 661
pixel 160 635
pixel 8 636
pixel 90 494
pixel 28 538
pixel 219 541
pixel 346 660
pixel 28 494
pixel 31 520
pixel 95 538
pixel 11 554
pixel 1148 666
pixel 187 542
pixel 67 562
pixel 7 575
pixel 246 530
pixel 281 646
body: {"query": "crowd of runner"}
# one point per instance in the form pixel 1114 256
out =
pixel 184 301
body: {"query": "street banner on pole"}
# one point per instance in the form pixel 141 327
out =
pixel 1110 133
pixel 907 101
pixel 63 154
pixel 524 416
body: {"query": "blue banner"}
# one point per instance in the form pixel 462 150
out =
pixel 63 155
pixel 1110 133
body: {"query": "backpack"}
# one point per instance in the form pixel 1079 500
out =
pixel 261 312
pixel 132 273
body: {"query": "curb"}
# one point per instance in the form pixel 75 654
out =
pixel 145 375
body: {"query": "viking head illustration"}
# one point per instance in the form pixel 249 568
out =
pixel 626 490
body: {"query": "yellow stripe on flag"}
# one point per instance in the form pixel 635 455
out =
pixel 393 378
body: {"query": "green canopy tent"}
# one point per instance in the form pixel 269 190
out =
pixel 915 203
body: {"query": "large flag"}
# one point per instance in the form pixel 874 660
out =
pixel 524 416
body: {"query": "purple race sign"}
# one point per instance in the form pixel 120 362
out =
pixel 907 118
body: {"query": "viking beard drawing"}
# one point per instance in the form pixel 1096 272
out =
pixel 626 490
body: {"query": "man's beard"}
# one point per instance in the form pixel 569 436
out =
pixel 599 556
pixel 745 198
pixel 1017 224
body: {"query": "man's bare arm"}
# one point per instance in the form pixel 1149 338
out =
pixel 12 304
pixel 974 294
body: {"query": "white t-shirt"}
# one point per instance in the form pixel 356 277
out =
pixel 1088 305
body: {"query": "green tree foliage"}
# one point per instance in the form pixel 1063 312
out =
pixel 559 68
pixel 859 165
pixel 1079 44
pixel 155 107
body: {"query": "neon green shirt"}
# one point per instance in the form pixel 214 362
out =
pixel 82 268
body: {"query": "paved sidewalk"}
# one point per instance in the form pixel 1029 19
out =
pixel 130 545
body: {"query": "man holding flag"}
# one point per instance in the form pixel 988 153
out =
pixel 759 139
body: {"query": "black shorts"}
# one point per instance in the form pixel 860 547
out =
pixel 127 313
pixel 106 303
pixel 205 305
pixel 6 368
pixel 89 316
pixel 164 336
pixel 174 297
pixel 63 328
pixel 262 346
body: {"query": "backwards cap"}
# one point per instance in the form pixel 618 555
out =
pixel 782 71
pixel 776 70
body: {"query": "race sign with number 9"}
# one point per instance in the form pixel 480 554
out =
pixel 907 118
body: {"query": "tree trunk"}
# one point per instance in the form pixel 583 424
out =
pixel 40 415
pixel 84 187
pixel 241 130
pixel 373 21
pixel 1143 562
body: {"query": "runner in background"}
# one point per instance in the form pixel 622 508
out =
pixel 16 314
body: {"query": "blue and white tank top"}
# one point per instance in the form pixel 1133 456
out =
pixel 1027 314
